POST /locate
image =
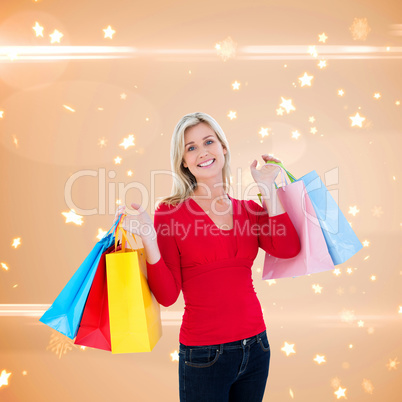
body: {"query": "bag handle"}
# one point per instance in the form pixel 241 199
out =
pixel 110 230
pixel 283 176
pixel 124 236
pixel 283 169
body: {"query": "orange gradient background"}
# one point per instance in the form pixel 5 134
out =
pixel 170 66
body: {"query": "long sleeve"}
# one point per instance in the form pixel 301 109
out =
pixel 164 277
pixel 276 234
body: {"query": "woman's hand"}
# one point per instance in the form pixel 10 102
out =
pixel 140 224
pixel 268 172
pixel 120 210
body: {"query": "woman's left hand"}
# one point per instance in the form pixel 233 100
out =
pixel 268 172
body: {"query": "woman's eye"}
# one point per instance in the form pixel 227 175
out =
pixel 189 149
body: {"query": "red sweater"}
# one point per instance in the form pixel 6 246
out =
pixel 212 267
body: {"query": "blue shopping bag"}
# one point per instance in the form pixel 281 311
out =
pixel 341 240
pixel 65 314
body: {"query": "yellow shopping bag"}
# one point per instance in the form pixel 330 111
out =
pixel 134 313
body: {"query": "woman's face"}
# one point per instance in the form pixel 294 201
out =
pixel 202 145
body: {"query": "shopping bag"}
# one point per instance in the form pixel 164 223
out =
pixel 134 313
pixel 64 315
pixel 94 328
pixel 313 256
pixel 340 238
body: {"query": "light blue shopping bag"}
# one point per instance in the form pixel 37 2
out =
pixel 64 315
pixel 341 240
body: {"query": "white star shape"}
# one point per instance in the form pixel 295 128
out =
pixel 72 216
pixel 319 359
pixel 353 210
pixel 295 134
pixel 357 119
pixel 317 288
pixel 128 142
pixel 16 242
pixel 101 233
pixel 263 132
pixel 108 32
pixel 56 36
pixel 175 356
pixel 236 85
pixel 287 104
pixel 232 115
pixel 306 80
pixel 311 50
pixel 38 29
pixel 288 349
pixel 322 38
pixel 4 266
pixel 340 392
pixel 4 378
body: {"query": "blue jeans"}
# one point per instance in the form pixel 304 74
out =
pixel 227 372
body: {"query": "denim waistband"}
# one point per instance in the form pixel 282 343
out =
pixel 240 344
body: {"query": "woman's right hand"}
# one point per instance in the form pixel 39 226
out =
pixel 120 210
pixel 140 225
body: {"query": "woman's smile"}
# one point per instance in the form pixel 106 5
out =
pixel 208 164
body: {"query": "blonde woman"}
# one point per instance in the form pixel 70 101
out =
pixel 203 242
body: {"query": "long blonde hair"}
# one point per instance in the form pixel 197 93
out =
pixel 184 182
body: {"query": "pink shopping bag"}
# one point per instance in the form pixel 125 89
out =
pixel 313 256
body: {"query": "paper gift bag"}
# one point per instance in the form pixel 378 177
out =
pixel 340 238
pixel 134 313
pixel 64 315
pixel 94 329
pixel 313 256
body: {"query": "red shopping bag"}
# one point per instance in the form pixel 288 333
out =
pixel 94 329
